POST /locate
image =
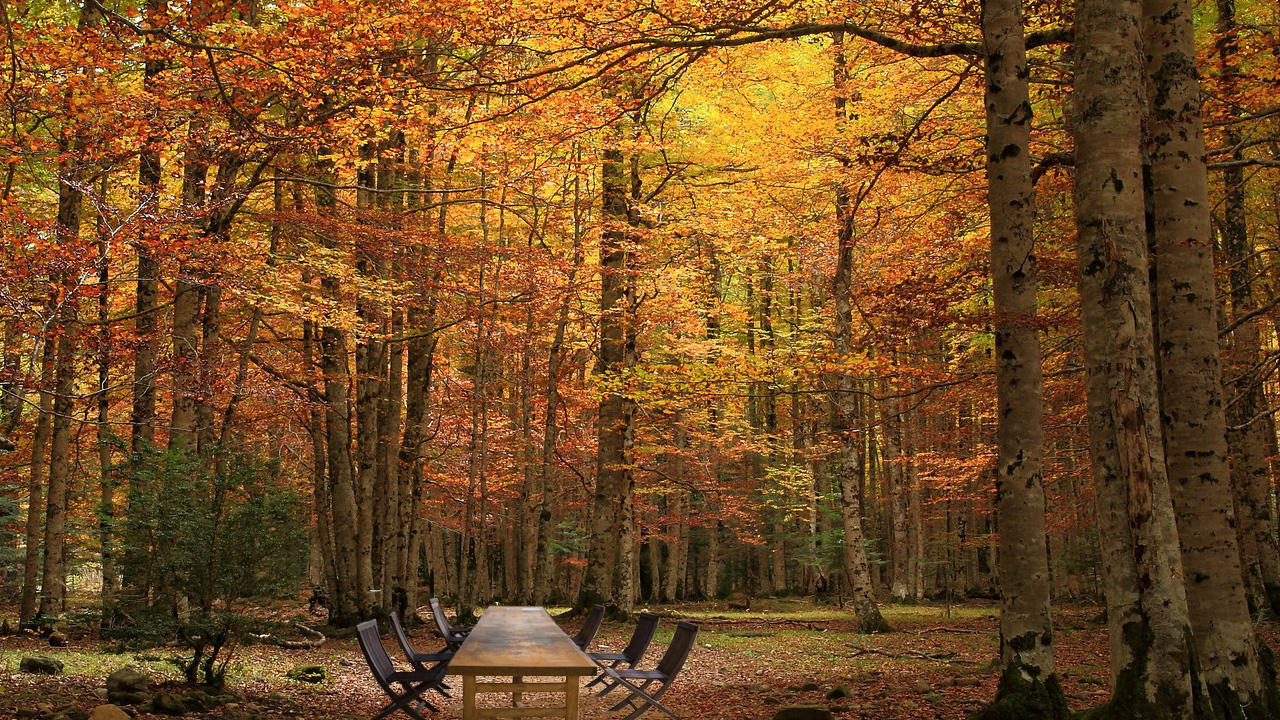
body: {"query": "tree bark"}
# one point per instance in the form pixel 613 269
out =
pixel 1192 409
pixel 1029 677
pixel 35 487
pixel 1146 604
pixel 614 426
pixel 1247 440
pixel 846 462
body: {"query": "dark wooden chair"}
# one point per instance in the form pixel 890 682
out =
pixel 453 636
pixel 589 628
pixel 413 684
pixel 631 655
pixel 420 661
pixel 641 698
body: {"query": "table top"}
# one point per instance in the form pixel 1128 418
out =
pixel 519 641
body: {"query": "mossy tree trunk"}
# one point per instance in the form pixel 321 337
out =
pixel 1029 683
pixel 1151 649
pixel 1192 408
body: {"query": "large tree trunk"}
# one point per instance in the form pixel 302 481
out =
pixel 1029 682
pixel 846 461
pixel 35 492
pixel 350 603
pixel 145 323
pixel 72 175
pixel 614 426
pixel 1247 441
pixel 188 298
pixel 1151 652
pixel 1194 420
pixel 106 439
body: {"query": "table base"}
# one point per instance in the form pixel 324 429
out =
pixel 517 687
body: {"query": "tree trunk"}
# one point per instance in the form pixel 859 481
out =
pixel 1029 680
pixel 846 461
pixel 614 426
pixel 1247 440
pixel 106 476
pixel 1146 604
pixel 1194 420
pixel 35 494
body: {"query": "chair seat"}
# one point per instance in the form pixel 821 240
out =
pixel 607 656
pixel 431 657
pixel 639 674
pixel 412 676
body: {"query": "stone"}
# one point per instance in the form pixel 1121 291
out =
pixel 195 701
pixel 40 665
pixel 126 697
pixel 57 639
pixel 810 687
pixel 308 673
pixel 129 680
pixel 166 704
pixel 804 712
pixel 72 714
pixel 933 698
pixel 108 712
pixel 27 712
pixel 839 692
pixel 100 692
pixel 923 687
pixel 968 682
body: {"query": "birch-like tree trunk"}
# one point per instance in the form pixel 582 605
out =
pixel 35 488
pixel 1150 632
pixel 1029 681
pixel 614 424
pixel 1192 408
pixel 1247 441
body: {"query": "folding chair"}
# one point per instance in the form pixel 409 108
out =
pixel 589 628
pixel 641 698
pixel 630 655
pixel 417 658
pixel 453 636
pixel 414 682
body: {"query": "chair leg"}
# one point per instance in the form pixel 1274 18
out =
pixel 631 699
pixel 604 676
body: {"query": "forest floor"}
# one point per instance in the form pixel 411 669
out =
pixel 940 663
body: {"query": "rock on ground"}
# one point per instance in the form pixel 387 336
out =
pixel 40 665
pixel 128 680
pixel 108 712
pixel 804 712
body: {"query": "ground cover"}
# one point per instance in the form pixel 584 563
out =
pixel 748 664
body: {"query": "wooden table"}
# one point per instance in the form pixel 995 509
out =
pixel 519 642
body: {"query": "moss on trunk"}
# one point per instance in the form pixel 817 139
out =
pixel 1023 698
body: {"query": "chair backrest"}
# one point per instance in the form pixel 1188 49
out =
pixel 641 638
pixel 376 655
pixel 678 651
pixel 442 622
pixel 590 627
pixel 400 636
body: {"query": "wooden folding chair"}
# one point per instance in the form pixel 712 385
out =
pixel 630 655
pixel 418 659
pixel 589 628
pixel 642 698
pixel 413 683
pixel 453 636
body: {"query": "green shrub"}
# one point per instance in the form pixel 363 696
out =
pixel 203 536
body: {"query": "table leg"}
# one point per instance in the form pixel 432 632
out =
pixel 516 695
pixel 571 697
pixel 468 697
